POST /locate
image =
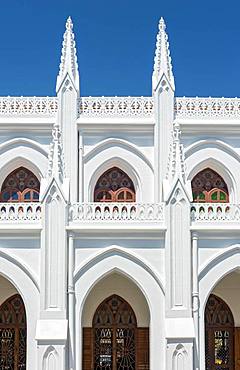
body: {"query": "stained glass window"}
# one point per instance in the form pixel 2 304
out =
pixel 209 187
pixel 21 185
pixel 114 186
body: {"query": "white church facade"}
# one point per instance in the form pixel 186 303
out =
pixel 119 227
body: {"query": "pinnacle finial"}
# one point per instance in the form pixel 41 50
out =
pixel 162 59
pixel 69 57
pixel 162 25
pixel 69 23
pixel 176 164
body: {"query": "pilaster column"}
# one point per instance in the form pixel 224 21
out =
pixel 71 301
pixel 195 296
pixel 81 169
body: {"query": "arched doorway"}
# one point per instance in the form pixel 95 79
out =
pixel 115 342
pixel 209 187
pixel 21 185
pixel 114 185
pixel 13 334
pixel 219 335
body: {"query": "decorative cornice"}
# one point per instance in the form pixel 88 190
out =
pixel 201 108
pixel 162 60
pixel 68 63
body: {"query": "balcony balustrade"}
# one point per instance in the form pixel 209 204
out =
pixel 141 212
pixel 20 212
pixel 215 212
pixel 120 212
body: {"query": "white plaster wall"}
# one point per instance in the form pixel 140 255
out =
pixel 120 285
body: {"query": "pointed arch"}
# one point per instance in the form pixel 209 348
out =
pixel 29 293
pixel 123 166
pixel 22 153
pixel 50 359
pixel 224 170
pixel 122 262
pixel 118 153
pixel 222 264
pixel 117 251
pixel 107 143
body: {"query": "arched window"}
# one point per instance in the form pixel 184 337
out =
pixel 209 187
pixel 114 186
pixel 13 334
pixel 21 185
pixel 219 335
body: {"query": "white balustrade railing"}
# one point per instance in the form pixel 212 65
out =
pixel 116 106
pixel 28 106
pixel 207 107
pixel 20 212
pixel 215 212
pixel 116 212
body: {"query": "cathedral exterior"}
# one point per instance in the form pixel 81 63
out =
pixel 119 227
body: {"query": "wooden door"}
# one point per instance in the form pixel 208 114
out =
pixel 237 348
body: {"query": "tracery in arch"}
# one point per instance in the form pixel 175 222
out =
pixel 209 187
pixel 114 186
pixel 21 185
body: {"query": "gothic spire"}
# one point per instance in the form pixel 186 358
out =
pixel 55 158
pixel 68 58
pixel 162 60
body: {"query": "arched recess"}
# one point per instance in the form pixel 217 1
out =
pixel 198 163
pixel 92 273
pixel 221 265
pixel 134 165
pixel 50 359
pixel 29 293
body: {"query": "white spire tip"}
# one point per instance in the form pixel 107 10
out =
pixel 162 25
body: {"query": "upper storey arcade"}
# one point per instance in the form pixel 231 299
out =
pixel 112 125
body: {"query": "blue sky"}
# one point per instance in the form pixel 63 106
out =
pixel 116 43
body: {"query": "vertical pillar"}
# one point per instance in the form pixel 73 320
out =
pixel 51 332
pixel 67 118
pixel 71 301
pixel 195 296
pixel 164 116
pixel 81 168
pixel 179 321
